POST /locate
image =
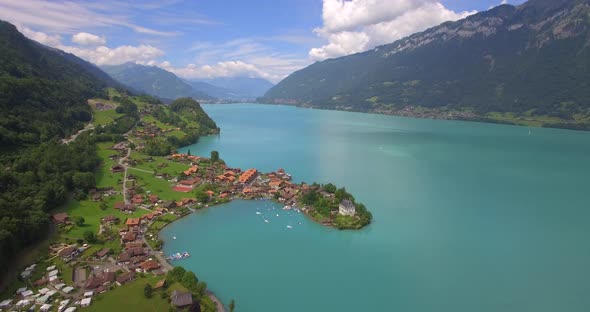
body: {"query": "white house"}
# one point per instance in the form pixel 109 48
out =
pixel 346 208
pixel 85 302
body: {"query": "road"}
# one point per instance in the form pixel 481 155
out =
pixel 89 126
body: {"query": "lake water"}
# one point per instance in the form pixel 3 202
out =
pixel 467 216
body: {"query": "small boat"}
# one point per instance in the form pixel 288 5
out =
pixel 287 207
pixel 277 214
pixel 265 220
pixel 289 227
pixel 257 212
pixel 173 237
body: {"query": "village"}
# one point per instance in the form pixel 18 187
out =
pixel 108 245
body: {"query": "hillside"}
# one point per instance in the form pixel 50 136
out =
pixel 153 81
pixel 506 64
pixel 43 91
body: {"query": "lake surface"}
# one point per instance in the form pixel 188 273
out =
pixel 467 216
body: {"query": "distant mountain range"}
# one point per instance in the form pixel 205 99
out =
pixel 164 84
pixel 530 60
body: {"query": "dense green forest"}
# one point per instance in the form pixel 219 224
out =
pixel 531 59
pixel 43 97
pixel 43 92
pixel 186 114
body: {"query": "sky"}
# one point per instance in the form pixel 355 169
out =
pixel 199 39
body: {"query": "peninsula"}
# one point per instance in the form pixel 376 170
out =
pixel 106 249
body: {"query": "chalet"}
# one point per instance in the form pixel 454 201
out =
pixel 153 198
pixel 181 299
pixel 100 280
pixel 137 199
pixel 191 170
pixel 60 218
pixel 109 220
pixel 210 193
pixel 117 169
pixel 68 253
pixel 160 284
pixel 190 183
pixel 129 237
pixel 96 196
pixel 149 265
pixel 150 216
pixel 119 205
pixel 248 176
pixel 133 245
pixel 102 254
pixel 133 222
pixel 346 208
pixel 125 277
pixel 121 146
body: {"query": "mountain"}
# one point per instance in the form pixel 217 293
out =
pixel 154 81
pixel 241 87
pixel 43 91
pixel 533 59
pixel 214 91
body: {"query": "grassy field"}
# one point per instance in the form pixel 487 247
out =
pixel 105 117
pixel 172 168
pixel 104 176
pixel 531 120
pixel 130 298
pixel 160 187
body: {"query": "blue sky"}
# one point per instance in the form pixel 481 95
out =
pixel 217 38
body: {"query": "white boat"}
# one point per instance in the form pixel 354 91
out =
pixel 289 227
pixel 173 237
pixel 265 220
pixel 257 212
pixel 287 207
pixel 277 214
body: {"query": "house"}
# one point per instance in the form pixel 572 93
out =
pixel 119 205
pixel 60 218
pixel 117 169
pixel 153 198
pixel 85 302
pixel 125 277
pixel 181 299
pixel 100 280
pixel 133 222
pixel 109 220
pixel 133 245
pixel 68 253
pixel 248 176
pixel 191 170
pixel 102 253
pixel 190 182
pixel 129 237
pixel 346 208
pixel 160 284
pixel 149 265
pixel 137 199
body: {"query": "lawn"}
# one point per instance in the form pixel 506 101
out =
pixel 130 297
pixel 173 168
pixel 160 187
pixel 105 117
pixel 104 176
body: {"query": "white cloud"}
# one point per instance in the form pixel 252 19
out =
pixel 221 69
pixel 41 37
pixel 84 38
pixel 352 26
pixel 69 16
pixel 504 2
pixel 103 55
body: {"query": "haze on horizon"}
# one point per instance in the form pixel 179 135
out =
pixel 209 39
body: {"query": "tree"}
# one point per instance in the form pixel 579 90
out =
pixel 79 220
pixel 188 152
pixel 147 291
pixel 103 205
pixel 90 237
pixel 190 281
pixel 214 156
pixel 232 305
pixel 201 196
pixel 176 274
pixel 201 287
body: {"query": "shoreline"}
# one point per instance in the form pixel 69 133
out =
pixel 539 123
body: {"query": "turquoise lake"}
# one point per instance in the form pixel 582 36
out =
pixel 467 216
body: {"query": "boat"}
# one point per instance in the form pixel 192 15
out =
pixel 287 207
pixel 289 227
pixel 265 220
pixel 179 256
pixel 173 237
pixel 257 212
pixel 277 214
